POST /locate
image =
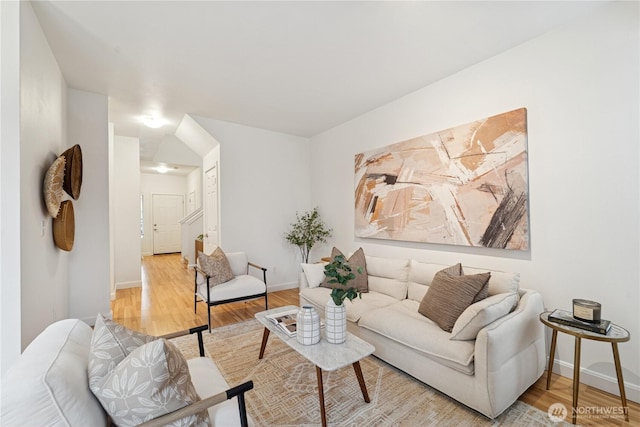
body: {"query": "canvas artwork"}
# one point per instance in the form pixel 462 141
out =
pixel 462 186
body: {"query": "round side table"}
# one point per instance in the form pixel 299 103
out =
pixel 615 335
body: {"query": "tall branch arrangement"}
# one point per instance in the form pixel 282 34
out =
pixel 308 230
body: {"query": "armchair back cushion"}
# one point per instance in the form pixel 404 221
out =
pixel 47 377
pixel 238 262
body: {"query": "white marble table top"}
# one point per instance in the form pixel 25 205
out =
pixel 324 355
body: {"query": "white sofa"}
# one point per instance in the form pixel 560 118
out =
pixel 48 386
pixel 487 373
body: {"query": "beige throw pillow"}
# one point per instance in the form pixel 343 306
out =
pixel 216 266
pixel 110 344
pixel 449 295
pixel 357 262
pixel 481 314
pixel 151 381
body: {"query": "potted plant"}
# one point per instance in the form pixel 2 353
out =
pixel 338 271
pixel 308 230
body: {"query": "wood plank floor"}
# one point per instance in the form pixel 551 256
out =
pixel 164 304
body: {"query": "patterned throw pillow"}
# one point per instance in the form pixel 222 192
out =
pixel 216 266
pixel 356 261
pixel 110 344
pixel 151 381
pixel 448 296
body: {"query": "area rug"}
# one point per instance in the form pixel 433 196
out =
pixel 285 388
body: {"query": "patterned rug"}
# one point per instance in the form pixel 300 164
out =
pixel 285 388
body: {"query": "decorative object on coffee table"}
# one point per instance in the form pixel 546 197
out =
pixel 338 271
pixel 308 230
pixel 615 335
pixel 308 325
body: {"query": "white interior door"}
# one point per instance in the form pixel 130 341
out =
pixel 211 237
pixel 168 210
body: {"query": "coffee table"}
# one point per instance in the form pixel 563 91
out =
pixel 325 356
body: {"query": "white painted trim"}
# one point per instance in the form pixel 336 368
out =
pixel 281 286
pixel 597 380
pixel 127 285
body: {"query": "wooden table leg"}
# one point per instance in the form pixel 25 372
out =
pixel 623 396
pixel 323 413
pixel 265 338
pixel 576 378
pixel 552 354
pixel 363 386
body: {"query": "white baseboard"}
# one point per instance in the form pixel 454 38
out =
pixel 598 380
pixel 281 286
pixel 127 285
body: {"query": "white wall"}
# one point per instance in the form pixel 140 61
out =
pixel 264 179
pixel 44 267
pixel 151 184
pixel 580 87
pixel 194 184
pixel 126 205
pixel 10 318
pixel 89 292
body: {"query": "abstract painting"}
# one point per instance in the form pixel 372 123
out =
pixel 461 186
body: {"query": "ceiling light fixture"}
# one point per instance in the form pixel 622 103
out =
pixel 154 122
pixel 162 169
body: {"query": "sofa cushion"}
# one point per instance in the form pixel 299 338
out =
pixel 501 281
pixel 481 314
pixel 356 308
pixel 216 266
pixel 358 265
pixel 51 375
pixel 400 321
pixel 314 273
pixel 153 380
pixel 449 295
pixel 110 344
pixel 388 276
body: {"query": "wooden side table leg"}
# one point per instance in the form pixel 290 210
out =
pixel 576 378
pixel 323 413
pixel 265 338
pixel 623 396
pixel 552 355
pixel 360 377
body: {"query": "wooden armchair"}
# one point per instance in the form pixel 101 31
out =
pixel 243 286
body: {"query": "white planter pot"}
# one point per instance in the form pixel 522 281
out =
pixel 335 318
pixel 308 326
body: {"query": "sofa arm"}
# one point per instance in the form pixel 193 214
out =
pixel 510 352
pixel 508 336
pixel 203 404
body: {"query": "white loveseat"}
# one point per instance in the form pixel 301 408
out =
pixel 49 385
pixel 486 371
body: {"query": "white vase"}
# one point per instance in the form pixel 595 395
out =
pixel 308 325
pixel 335 318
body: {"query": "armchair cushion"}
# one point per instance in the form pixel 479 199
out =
pixel 216 266
pixel 151 381
pixel 239 286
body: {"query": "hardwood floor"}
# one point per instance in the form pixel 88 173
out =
pixel 164 304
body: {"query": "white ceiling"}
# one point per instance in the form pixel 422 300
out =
pixel 293 67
